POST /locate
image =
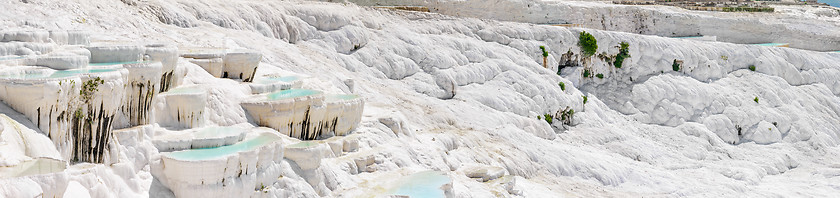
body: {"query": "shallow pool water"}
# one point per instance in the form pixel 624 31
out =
pixel 33 167
pixel 217 152
pixel 338 97
pixel 292 93
pixel 34 74
pixel 115 63
pixel 74 72
pixel 426 184
pixel 10 57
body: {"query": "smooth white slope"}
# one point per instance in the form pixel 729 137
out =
pixel 406 62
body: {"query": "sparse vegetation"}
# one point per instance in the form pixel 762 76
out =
pixel 600 76
pixel 623 52
pixel 544 53
pixel 675 66
pixel 584 99
pixel 89 87
pixel 562 86
pixel 548 118
pixel 756 99
pixel 726 58
pixel 545 56
pixel 567 115
pixel 587 43
pixel 752 67
pixel 586 73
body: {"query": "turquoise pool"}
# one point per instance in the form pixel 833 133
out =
pixel 292 93
pixel 10 58
pixel 426 184
pixel 217 152
pixel 74 72
pixel 115 63
pixel 338 97
pixel 56 74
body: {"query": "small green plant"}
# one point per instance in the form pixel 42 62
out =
pixel 587 43
pixel 675 66
pixel 567 115
pixel 539 117
pixel 548 118
pixel 623 52
pixel 586 73
pixel 544 53
pixel 89 87
pixel 724 58
pixel 600 76
pixel 584 99
pixel 562 86
pixel 752 67
pixel 756 99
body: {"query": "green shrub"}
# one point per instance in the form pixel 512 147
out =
pixel 548 118
pixel 567 115
pixel 89 88
pixel 584 99
pixel 545 53
pixel 587 43
pixel 756 99
pixel 586 73
pixel 623 52
pixel 600 76
pixel 752 67
pixel 675 66
pixel 562 86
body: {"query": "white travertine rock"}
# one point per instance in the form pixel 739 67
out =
pixel 241 64
pixel 168 56
pixel 344 113
pixel 115 52
pixel 182 107
pixel 305 114
pixel 14 60
pixel 267 84
pixel 482 173
pixel 143 84
pixel 78 37
pixel 20 143
pixel 61 61
pixel 206 137
pixel 308 154
pixel 22 48
pixel 33 36
pixel 71 50
pixel 213 66
pixel 293 112
pixel 49 103
pixel 230 171
pixel 76 108
pixel 201 53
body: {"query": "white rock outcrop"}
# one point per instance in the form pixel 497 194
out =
pixel 233 170
pixel 182 107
